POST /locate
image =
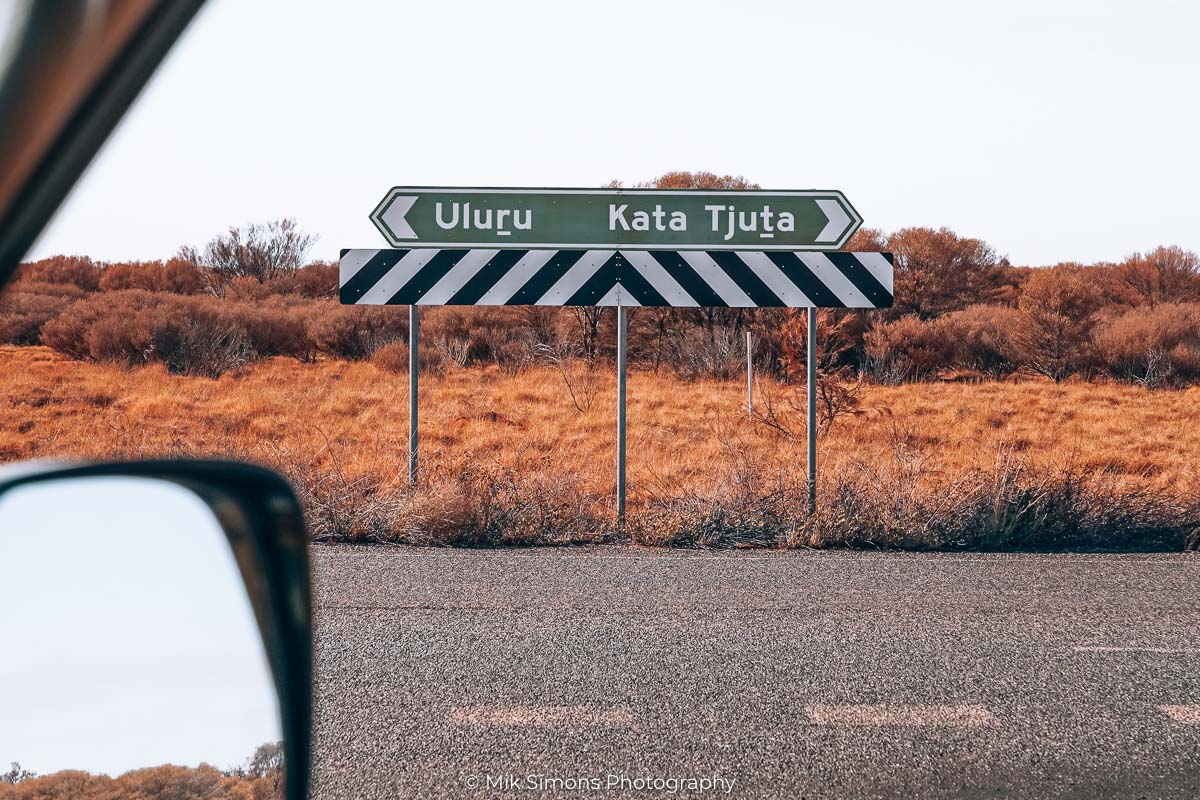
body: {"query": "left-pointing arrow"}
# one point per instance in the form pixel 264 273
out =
pixel 393 217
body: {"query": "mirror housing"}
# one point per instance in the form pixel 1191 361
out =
pixel 262 520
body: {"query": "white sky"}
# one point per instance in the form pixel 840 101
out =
pixel 1054 129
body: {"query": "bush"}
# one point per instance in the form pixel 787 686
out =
pixel 907 349
pixel 25 309
pixel 201 341
pixel 1154 346
pixel 468 335
pixel 78 271
pixel 190 336
pixel 1058 309
pixel 751 507
pixel 260 252
pixel 979 338
pixel 356 332
pixel 316 280
pixel 392 357
pixel 695 353
pixel 203 782
pixel 177 275
pixel 246 289
pixel 144 275
pixel 1164 275
pixel 68 332
pixel 983 338
pixel 488 505
pixel 183 277
pixel 938 271
pixel 278 328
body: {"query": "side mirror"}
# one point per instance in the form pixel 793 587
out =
pixel 153 614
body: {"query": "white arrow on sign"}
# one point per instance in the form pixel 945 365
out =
pixel 394 217
pixel 838 220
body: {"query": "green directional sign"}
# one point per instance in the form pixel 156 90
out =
pixel 425 217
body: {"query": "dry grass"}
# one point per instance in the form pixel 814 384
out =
pixel 512 459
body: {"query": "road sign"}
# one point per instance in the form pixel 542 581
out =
pixel 616 247
pixel 438 217
pixel 744 279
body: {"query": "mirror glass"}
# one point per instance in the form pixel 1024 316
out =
pixel 128 642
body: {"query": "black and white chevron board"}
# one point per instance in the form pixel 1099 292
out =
pixel 712 278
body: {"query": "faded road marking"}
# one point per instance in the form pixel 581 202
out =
pixel 1188 715
pixel 965 716
pixel 541 716
pixel 1159 650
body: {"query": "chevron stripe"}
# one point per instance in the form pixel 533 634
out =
pixel 706 270
pixel 775 280
pixel 657 276
pixel 687 278
pixel 832 277
pixel 456 279
pixel 691 278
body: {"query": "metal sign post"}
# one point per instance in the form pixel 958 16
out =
pixel 413 340
pixel 749 374
pixel 812 410
pixel 622 328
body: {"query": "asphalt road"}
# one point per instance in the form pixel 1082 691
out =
pixel 811 674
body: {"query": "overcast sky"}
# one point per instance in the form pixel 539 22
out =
pixel 1054 129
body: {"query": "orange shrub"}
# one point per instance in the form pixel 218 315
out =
pixel 938 271
pixel 1058 309
pixel 959 305
pixel 356 332
pixel 392 357
pixel 907 349
pixel 978 338
pixel 983 337
pixel 25 309
pixel 246 288
pixel 191 336
pixel 144 275
pixel 68 332
pixel 316 280
pixel 1151 345
pixel 278 327
pixel 80 271
pixel 1164 275
pixel 480 334
pixel 184 277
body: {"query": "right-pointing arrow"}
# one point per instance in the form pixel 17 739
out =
pixel 394 217
pixel 838 220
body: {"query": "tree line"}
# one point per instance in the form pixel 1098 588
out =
pixel 961 312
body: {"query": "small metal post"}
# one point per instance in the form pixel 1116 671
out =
pixel 622 322
pixel 750 374
pixel 413 340
pixel 812 410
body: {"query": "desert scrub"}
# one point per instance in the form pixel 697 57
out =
pixel 510 458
